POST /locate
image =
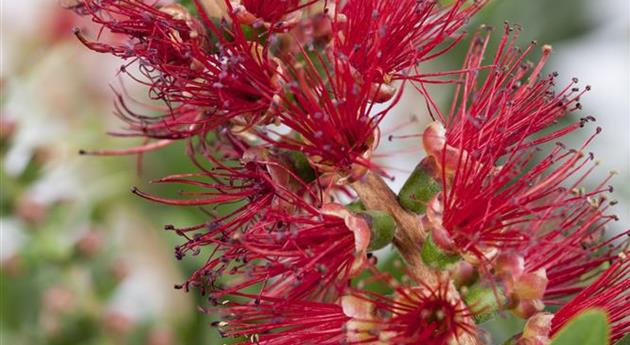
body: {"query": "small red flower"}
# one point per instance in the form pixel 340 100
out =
pixel 275 321
pixel 384 38
pixel 157 35
pixel 333 118
pixel 564 252
pixel 570 249
pixel 484 208
pixel 204 84
pixel 500 109
pixel 414 314
pixel 484 151
pixel 297 257
pixel 411 315
pixel 282 237
pixel 262 185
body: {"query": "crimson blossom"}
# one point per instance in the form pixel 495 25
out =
pixel 280 106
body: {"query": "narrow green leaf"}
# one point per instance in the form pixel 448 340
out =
pixel 589 328
pixel 624 341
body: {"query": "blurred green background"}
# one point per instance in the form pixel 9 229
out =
pixel 83 261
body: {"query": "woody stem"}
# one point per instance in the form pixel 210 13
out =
pixel 409 237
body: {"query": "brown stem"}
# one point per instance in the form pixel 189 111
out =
pixel 409 237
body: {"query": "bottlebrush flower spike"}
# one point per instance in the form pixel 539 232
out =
pixel 570 247
pixel 484 208
pixel 500 113
pixel 383 38
pixel 333 117
pixel 296 121
pixel 297 257
pixel 494 119
pixel 274 321
pixel 610 292
pixel 415 313
pixel 203 85
pixel 248 175
pixel 412 315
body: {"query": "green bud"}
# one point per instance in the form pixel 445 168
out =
pixel 434 256
pixel 420 187
pixel 382 227
pixel 356 206
pixel 484 302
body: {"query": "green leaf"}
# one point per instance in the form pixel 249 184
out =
pixel 624 341
pixel 589 328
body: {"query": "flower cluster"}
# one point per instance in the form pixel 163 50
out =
pixel 279 103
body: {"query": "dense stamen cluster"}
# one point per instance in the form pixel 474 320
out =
pixel 278 102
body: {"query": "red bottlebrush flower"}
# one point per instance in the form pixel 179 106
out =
pixel 383 38
pixel 275 321
pixel 419 314
pixel 296 257
pixel 280 237
pixel 257 182
pixel 484 208
pixel 412 315
pixel 564 251
pixel 610 292
pixel 569 248
pixel 156 35
pixel 499 113
pixel 483 151
pixel 203 85
pixel 332 116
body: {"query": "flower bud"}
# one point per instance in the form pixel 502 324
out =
pixel 420 187
pixel 509 265
pixel 536 330
pixel 530 286
pixel 526 308
pixel 463 274
pixel 382 228
pixel 381 92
